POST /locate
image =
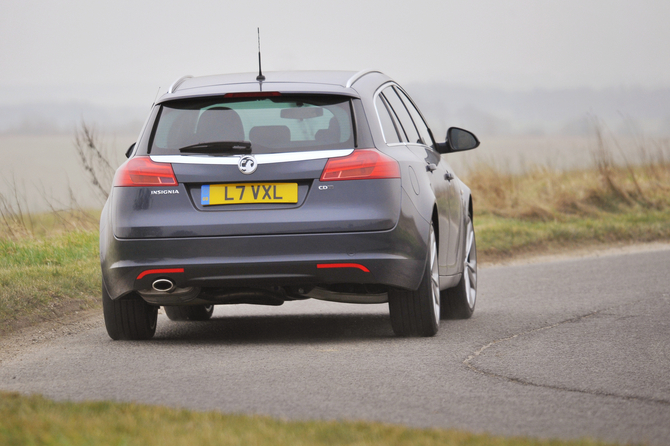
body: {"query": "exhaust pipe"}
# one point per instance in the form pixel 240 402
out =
pixel 163 285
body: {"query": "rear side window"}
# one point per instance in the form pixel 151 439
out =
pixel 402 114
pixel 386 121
pixel 421 126
pixel 272 124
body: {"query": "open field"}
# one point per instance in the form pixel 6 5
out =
pixel 45 171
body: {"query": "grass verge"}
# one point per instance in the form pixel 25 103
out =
pixel 36 420
pixel 544 210
pixel 44 278
pixel 500 238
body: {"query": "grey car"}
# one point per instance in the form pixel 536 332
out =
pixel 297 185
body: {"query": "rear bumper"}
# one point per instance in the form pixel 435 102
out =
pixel 395 258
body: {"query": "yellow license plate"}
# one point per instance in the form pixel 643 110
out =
pixel 211 194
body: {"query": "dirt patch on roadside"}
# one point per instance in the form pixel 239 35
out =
pixel 19 341
pixel 58 309
pixel 598 250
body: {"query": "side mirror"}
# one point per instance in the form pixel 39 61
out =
pixel 130 150
pixel 459 140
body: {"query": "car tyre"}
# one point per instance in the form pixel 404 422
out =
pixel 129 318
pixel 459 302
pixel 189 312
pixel 417 313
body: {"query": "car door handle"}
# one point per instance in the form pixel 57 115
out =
pixel 448 176
pixel 430 167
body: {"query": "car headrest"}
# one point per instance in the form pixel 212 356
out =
pixel 219 124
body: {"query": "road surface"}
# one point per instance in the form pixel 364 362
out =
pixel 565 349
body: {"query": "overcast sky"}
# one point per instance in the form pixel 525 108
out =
pixel 120 52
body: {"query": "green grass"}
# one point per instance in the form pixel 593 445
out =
pixel 33 420
pixel 44 278
pixel 500 237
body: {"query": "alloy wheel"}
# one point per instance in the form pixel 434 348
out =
pixel 470 269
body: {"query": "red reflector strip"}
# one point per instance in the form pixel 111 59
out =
pixel 160 271
pixel 342 265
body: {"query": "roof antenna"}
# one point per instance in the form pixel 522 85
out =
pixel 157 92
pixel 260 77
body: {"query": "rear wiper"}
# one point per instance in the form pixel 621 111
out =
pixel 218 147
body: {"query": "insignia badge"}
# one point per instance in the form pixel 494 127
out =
pixel 247 164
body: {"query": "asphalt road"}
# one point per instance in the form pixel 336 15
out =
pixel 562 349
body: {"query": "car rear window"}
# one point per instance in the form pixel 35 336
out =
pixel 274 124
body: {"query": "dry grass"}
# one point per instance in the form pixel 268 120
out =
pixel 16 224
pixel 95 159
pixel 549 195
pixel 545 210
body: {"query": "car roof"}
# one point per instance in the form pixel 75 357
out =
pixel 327 82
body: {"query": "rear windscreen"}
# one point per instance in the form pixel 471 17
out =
pixel 285 123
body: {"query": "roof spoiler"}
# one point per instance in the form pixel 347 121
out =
pixel 177 83
pixel 359 75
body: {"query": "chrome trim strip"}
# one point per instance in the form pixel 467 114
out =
pixel 177 83
pixel 379 119
pixel 352 80
pixel 261 158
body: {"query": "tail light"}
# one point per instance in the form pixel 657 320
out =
pixel 362 164
pixel 142 172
